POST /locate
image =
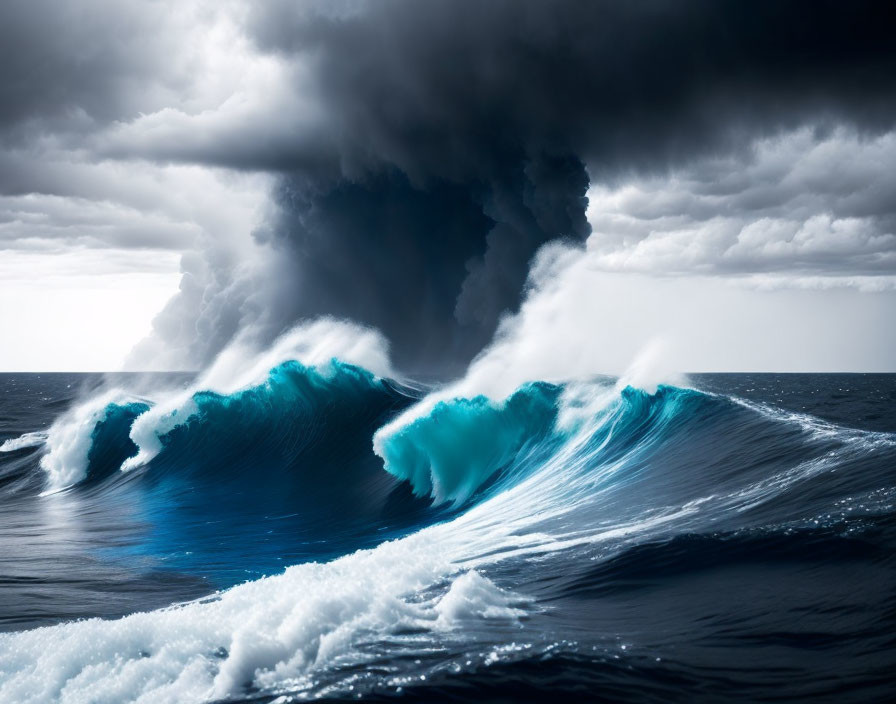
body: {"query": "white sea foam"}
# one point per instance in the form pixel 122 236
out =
pixel 472 596
pixel 314 344
pixel 35 439
pixel 71 436
pixel 262 633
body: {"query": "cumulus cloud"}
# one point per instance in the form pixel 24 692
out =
pixel 814 207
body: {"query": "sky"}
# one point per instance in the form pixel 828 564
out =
pixel 178 175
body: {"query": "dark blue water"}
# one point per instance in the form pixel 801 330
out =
pixel 735 541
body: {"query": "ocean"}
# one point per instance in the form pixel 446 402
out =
pixel 311 535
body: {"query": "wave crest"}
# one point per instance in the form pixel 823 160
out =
pixel 460 444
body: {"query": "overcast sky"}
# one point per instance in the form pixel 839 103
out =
pixel 174 174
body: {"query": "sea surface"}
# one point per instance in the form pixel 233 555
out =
pixel 729 538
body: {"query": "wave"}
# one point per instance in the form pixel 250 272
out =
pixel 268 425
pixel 275 418
pixel 638 471
pixel 460 444
pixel 322 351
pixel 562 490
pixel 236 485
pixel 70 441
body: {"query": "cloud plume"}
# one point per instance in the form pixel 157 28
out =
pixel 424 151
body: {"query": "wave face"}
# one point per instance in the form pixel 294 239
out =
pixel 587 537
pixel 110 444
pixel 460 444
pixel 287 466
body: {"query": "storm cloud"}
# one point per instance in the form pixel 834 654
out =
pixel 69 68
pixel 459 137
pixel 422 152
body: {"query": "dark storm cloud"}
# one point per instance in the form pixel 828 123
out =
pixel 71 66
pixel 456 133
pixel 425 149
pixel 434 266
pixel 440 88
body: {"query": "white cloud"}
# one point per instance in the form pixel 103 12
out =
pixel 813 207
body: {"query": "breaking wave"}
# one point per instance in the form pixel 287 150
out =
pixel 489 514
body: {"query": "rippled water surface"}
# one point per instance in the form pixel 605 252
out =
pixel 731 540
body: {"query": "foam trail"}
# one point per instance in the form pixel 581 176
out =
pixel 258 633
pixel 35 439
